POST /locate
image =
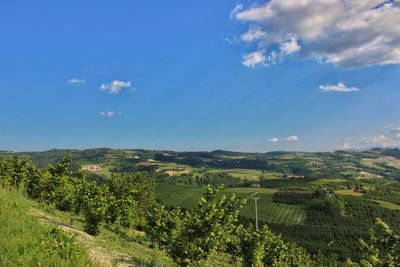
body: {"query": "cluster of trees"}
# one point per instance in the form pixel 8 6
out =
pixel 206 159
pixel 122 201
pixel 389 193
pixel 279 183
pixel 334 225
pixel 213 179
pixel 382 248
pixel 297 196
pixel 189 237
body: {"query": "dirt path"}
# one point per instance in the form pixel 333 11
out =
pixel 99 255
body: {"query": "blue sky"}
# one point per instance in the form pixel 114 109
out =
pixel 198 75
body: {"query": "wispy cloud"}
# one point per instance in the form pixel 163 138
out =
pixel 116 86
pixel 109 114
pixel 345 144
pixel 292 138
pixel 396 132
pixel 76 81
pixel 340 87
pixel 235 10
pixel 230 38
pixel 253 59
pixel 376 140
pixel 346 33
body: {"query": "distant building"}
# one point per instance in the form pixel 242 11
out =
pixel 91 168
pixel 296 177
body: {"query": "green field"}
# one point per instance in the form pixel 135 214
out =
pixel 187 196
pixel 388 205
pixel 179 169
pixel 326 181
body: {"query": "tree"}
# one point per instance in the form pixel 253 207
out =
pixel 93 202
pixel 189 237
pixel 264 248
pixel 132 195
pixel 383 247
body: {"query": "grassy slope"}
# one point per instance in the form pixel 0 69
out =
pixel 25 242
pixel 384 204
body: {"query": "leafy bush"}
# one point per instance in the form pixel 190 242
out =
pixel 190 236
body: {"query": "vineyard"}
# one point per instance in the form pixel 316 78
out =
pixel 186 197
pixel 308 225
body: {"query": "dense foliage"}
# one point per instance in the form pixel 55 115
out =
pixel 213 179
pixel 190 236
pixel 298 196
pixel 122 201
pixel 382 248
pixel 332 226
pixel 389 193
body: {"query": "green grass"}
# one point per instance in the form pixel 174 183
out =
pixel 267 209
pixel 133 243
pixel 348 192
pixel 239 173
pixel 26 242
pixel 388 205
pixel 186 196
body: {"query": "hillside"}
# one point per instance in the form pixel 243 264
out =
pixel 312 199
pixel 374 163
pixel 26 242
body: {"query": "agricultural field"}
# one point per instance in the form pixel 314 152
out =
pixel 383 204
pixel 385 161
pixel 187 196
pixel 327 181
pixel 349 192
pixel 388 205
pixel 242 173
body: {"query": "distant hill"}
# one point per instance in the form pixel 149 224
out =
pixel 373 163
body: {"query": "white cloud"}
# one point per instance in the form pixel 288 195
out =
pixel 235 10
pixel 252 35
pixel 273 140
pixel 290 46
pixel 109 114
pixel 340 87
pixel 345 144
pixel 396 132
pixel 292 138
pixel 116 86
pixel 380 140
pixel 253 59
pixel 346 33
pixel 230 38
pixel 76 81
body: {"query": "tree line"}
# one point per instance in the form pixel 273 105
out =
pixel 122 200
pixel 187 236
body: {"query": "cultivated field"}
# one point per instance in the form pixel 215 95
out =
pixel 187 196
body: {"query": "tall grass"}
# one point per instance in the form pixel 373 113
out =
pixel 26 242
